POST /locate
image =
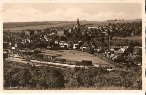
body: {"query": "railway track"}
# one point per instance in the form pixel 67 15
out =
pixel 56 65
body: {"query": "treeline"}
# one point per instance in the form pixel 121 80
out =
pixel 45 77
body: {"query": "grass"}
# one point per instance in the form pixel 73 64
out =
pixel 74 55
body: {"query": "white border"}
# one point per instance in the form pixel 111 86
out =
pixel 76 91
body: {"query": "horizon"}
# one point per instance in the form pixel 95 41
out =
pixel 75 20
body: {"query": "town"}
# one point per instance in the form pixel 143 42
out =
pixel 115 45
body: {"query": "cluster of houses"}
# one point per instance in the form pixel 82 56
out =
pixel 87 38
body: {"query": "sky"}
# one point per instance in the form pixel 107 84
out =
pixel 27 12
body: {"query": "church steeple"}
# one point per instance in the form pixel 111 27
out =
pixel 78 23
pixel 76 27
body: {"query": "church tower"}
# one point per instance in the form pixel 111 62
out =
pixel 78 24
pixel 76 27
pixel 76 30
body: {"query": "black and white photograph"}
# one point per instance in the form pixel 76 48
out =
pixel 72 46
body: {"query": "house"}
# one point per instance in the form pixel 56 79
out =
pixel 56 42
pixel 91 27
pixel 123 49
pixel 46 38
pixel 26 32
pixel 88 25
pixel 118 53
pixel 64 45
pixel 83 48
pixel 60 32
pixel 15 45
pixel 5 45
pixel 137 50
pixel 75 46
pixel 5 54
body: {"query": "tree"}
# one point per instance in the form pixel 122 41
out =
pixel 54 79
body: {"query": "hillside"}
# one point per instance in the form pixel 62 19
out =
pixel 46 24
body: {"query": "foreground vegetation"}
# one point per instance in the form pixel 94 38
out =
pixel 25 76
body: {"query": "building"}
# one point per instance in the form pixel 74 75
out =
pixel 78 23
pixel 5 45
pixel 75 46
pixel 63 45
pixel 92 27
pixel 26 32
pixel 88 25
pixel 76 28
pixel 60 32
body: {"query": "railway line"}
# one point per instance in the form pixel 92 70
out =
pixel 59 65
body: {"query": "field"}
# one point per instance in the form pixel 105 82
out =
pixel 74 55
pixel 137 38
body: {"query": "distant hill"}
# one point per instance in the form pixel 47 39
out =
pixel 47 24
